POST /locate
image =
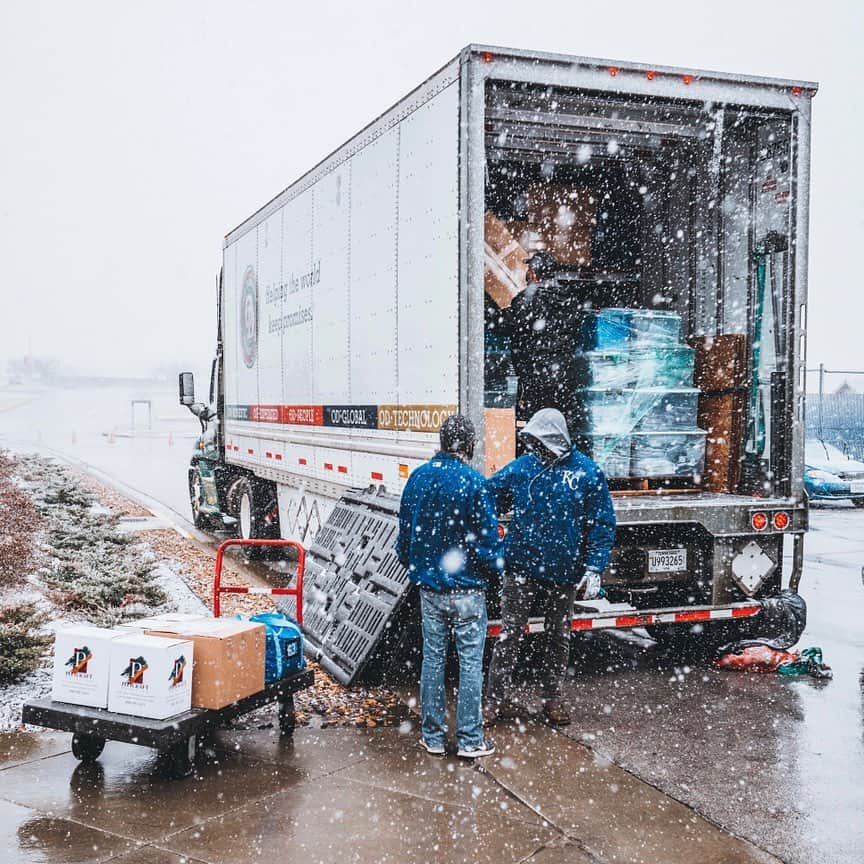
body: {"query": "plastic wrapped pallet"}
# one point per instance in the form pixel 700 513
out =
pixel 610 452
pixel 602 411
pixel 662 366
pixel 668 454
pixel 653 327
pixel 614 328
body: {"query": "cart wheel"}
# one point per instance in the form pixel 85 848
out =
pixel 287 717
pixel 180 758
pixel 86 747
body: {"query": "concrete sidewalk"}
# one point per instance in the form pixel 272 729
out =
pixel 344 795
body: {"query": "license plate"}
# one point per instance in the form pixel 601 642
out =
pixel 667 560
pixel 856 487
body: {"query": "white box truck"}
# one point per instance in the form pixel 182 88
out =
pixel 359 306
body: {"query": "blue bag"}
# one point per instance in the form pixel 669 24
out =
pixel 284 653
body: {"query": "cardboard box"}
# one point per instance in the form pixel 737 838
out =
pixel 561 219
pixel 504 262
pixel 82 659
pixel 229 659
pixel 168 619
pixel 151 676
pixel 721 374
pixel 500 441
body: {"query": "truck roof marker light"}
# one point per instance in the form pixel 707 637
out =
pixel 759 521
pixel 343 469
pixel 250 451
pixel 278 457
pixel 488 56
pixel 301 461
pixel 687 79
pixel 328 466
pixel 796 92
pixel 614 70
pixel 651 74
pixel 781 520
pixel 377 475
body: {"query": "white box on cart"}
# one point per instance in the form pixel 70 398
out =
pixel 82 660
pixel 151 676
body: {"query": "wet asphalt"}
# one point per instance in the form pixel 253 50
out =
pixel 667 760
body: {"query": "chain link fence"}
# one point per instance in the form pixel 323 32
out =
pixel 837 418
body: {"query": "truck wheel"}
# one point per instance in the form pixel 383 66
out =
pixel 245 510
pixel 86 747
pixel 250 502
pixel 195 495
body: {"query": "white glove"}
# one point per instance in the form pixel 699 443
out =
pixel 589 586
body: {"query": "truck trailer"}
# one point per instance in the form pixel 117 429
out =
pixel 363 304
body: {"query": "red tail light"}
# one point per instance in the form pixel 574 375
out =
pixel 501 531
pixel 781 521
pixel 759 521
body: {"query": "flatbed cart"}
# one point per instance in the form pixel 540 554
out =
pixel 177 738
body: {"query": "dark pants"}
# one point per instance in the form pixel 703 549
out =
pixel 517 598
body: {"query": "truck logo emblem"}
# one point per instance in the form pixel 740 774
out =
pixel 79 660
pixel 249 317
pixel 134 672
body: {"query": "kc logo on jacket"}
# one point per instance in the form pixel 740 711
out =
pixel 249 317
pixel 79 660
pixel 134 672
pixel 571 478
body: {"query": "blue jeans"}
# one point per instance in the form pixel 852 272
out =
pixel 464 614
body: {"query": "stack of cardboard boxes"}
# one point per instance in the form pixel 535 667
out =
pixel 159 667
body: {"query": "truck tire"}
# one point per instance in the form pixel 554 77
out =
pixel 195 494
pixel 244 507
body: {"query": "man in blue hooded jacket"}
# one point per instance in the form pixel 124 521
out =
pixel 555 552
pixel 448 541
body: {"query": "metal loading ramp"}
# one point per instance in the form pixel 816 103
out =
pixel 354 588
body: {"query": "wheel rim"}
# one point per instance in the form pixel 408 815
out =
pixel 245 517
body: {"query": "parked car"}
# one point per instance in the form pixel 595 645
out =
pixel 829 474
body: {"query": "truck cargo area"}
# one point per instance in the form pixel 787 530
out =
pixel 679 211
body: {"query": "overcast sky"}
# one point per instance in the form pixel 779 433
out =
pixel 135 135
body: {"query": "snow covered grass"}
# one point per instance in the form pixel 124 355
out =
pixel 64 558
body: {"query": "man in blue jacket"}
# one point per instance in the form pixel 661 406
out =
pixel 448 541
pixel 556 550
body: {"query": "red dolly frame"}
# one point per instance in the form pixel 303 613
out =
pixel 297 591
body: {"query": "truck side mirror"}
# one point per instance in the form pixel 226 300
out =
pixel 187 389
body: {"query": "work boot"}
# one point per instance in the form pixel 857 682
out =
pixel 493 711
pixel 556 712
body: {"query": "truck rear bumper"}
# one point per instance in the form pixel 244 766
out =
pixel 627 619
